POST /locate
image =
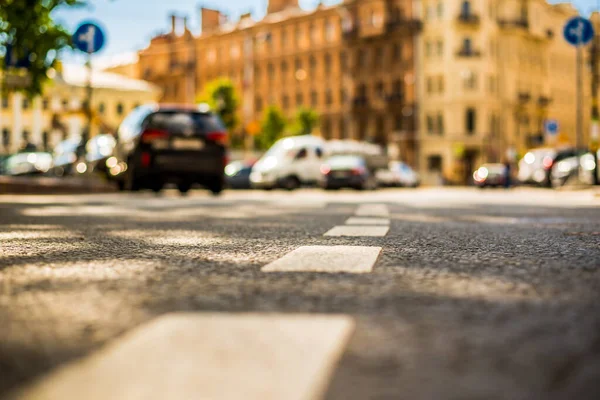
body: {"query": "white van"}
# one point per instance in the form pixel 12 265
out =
pixel 290 163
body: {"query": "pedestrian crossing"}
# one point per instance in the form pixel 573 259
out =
pixel 226 356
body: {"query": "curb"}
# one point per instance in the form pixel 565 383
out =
pixel 45 185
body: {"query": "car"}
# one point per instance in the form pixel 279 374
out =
pixel 580 168
pixel 290 163
pixel 536 166
pixel 28 163
pixel 347 171
pixel 398 174
pixel 65 156
pixel 99 155
pixel 170 144
pixel 237 175
pixel 493 175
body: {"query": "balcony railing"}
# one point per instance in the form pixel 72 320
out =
pixel 404 25
pixel 395 98
pixel 468 19
pixel 544 101
pixel 514 23
pixel 523 97
pixel 468 53
pixel 360 103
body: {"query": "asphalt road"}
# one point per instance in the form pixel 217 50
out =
pixel 470 295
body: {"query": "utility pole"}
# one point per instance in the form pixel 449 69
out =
pixel 594 63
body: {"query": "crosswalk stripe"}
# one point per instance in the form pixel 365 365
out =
pixel 367 221
pixel 372 210
pixel 208 356
pixel 349 259
pixel 358 231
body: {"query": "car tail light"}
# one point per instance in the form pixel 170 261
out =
pixel 150 135
pixel 145 159
pixel 220 137
pixel 547 162
pixel 358 171
pixel 325 169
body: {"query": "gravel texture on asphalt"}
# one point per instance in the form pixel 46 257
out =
pixel 475 295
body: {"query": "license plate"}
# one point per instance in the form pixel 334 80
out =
pixel 340 174
pixel 187 144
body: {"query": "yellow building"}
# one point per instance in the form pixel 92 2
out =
pixel 59 112
pixel 492 72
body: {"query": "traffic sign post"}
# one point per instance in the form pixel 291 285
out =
pixel 578 32
pixel 88 38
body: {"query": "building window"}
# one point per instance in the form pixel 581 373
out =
pixel 465 8
pixel 65 104
pixel 430 124
pixel 380 90
pixel 298 36
pixel 398 122
pixel 120 109
pixel 430 13
pixel 101 108
pixel 284 70
pixel 493 85
pixel 256 75
pixel 378 57
pixel 441 84
pixel 26 136
pixel 440 48
pixel 470 121
pixel 5 102
pixel 271 71
pixel 430 85
pixel 25 103
pixel 314 34
pixel 440 124
pixel 313 65
pixel 470 80
pixel 326 128
pixel 343 96
pixel 440 10
pixel 361 60
pixel 329 31
pixel 467 46
pixel 299 99
pixel 258 105
pixel 5 137
pixel 396 52
pixel 398 88
pixel 327 62
pixel 285 101
pixel 298 64
pixel 361 91
pixel 314 99
pixel 343 61
pixel 328 97
pixel 434 163
pixel 428 48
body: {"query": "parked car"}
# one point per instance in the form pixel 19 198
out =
pixel 65 156
pixel 237 175
pixel 160 144
pixel 398 174
pixel 536 166
pixel 579 167
pixel 492 175
pixel 290 163
pixel 23 164
pixel 99 155
pixel 347 171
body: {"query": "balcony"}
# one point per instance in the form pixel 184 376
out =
pixel 468 19
pixel 468 53
pixel 544 101
pixel 360 103
pixel 520 23
pixel 406 26
pixel 395 99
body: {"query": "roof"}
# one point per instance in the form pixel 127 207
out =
pixel 76 75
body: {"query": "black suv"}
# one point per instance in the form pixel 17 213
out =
pixel 160 144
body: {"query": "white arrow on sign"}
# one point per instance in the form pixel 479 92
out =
pixel 89 38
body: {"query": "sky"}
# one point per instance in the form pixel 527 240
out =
pixel 129 24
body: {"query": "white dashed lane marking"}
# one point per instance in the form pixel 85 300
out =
pixel 372 210
pixel 358 231
pixel 349 259
pixel 208 356
pixel 367 221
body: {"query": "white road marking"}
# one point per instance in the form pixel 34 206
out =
pixel 349 259
pixel 367 221
pixel 358 231
pixel 372 210
pixel 208 356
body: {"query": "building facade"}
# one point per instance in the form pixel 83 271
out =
pixel 60 112
pixel 353 63
pixel 492 72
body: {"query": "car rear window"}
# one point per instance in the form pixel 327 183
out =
pixel 185 122
pixel 345 162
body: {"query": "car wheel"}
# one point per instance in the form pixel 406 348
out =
pixel 131 183
pixel 157 186
pixel 290 183
pixel 184 188
pixel 216 188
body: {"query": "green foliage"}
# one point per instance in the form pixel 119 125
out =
pixel 221 95
pixel 27 26
pixel 273 125
pixel 305 121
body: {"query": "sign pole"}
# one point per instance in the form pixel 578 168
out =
pixel 579 143
pixel 88 110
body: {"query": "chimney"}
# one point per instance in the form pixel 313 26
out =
pixel 211 19
pixel 173 23
pixel 280 5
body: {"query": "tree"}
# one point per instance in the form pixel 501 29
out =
pixel 27 27
pixel 221 95
pixel 306 120
pixel 273 125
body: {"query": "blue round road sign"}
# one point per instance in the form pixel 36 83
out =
pixel 88 38
pixel 578 31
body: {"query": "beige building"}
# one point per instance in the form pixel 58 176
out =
pixel 491 72
pixel 59 112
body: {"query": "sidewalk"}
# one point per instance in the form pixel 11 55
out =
pixel 50 185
